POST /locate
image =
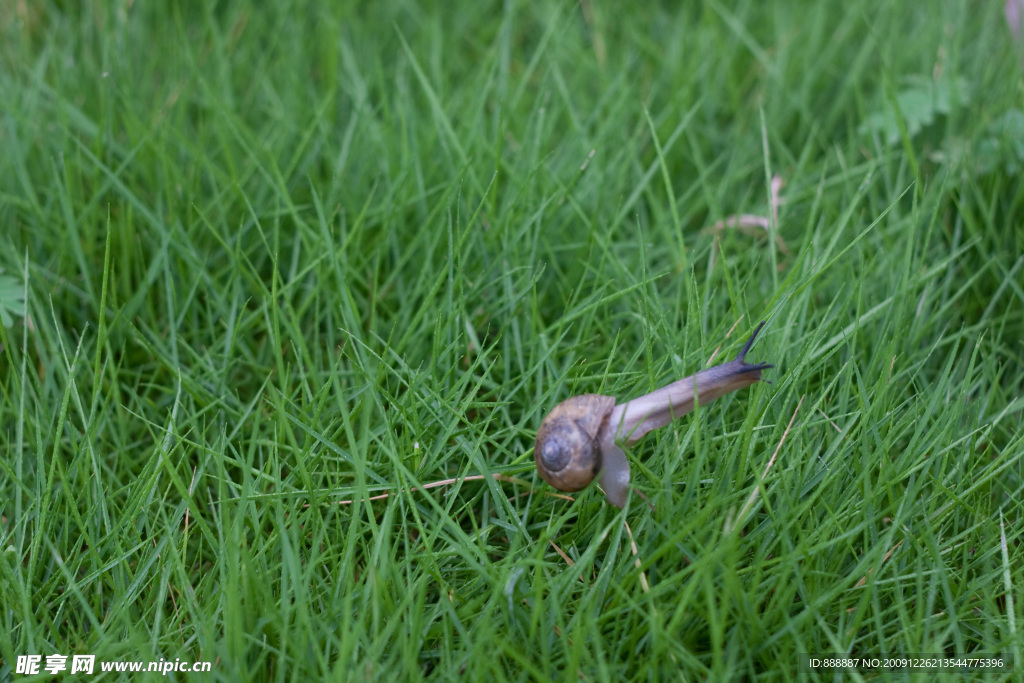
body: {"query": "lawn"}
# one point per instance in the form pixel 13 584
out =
pixel 287 289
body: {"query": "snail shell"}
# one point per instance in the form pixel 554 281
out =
pixel 568 446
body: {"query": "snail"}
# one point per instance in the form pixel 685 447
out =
pixel 579 439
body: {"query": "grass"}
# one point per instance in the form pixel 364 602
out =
pixel 263 258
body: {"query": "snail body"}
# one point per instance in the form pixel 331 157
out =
pixel 578 440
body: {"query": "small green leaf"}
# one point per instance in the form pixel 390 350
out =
pixel 919 103
pixel 1003 144
pixel 12 299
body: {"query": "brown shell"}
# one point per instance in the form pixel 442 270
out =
pixel 567 451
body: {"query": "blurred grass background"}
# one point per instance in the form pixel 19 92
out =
pixel 260 258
